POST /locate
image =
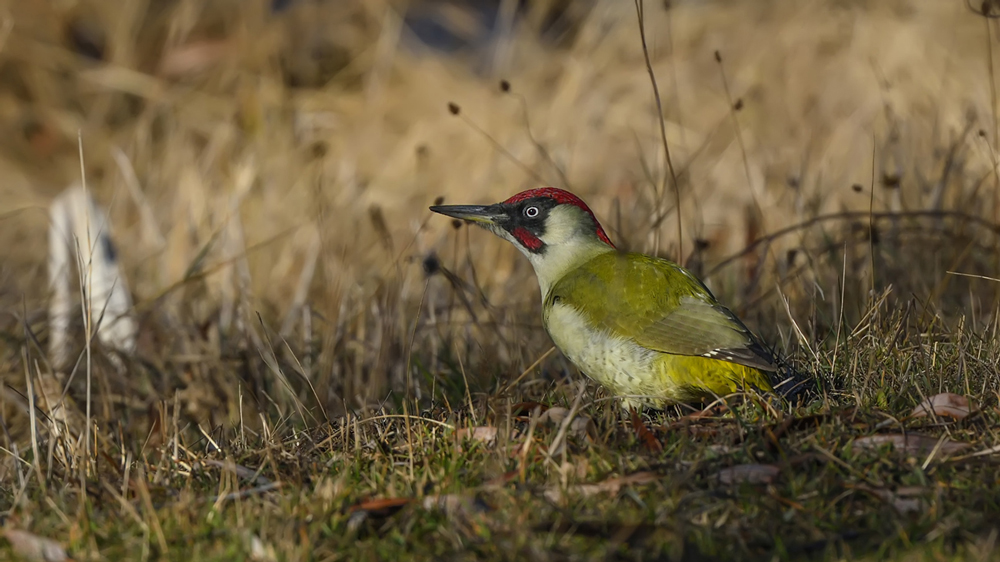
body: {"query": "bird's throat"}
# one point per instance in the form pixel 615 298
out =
pixel 559 259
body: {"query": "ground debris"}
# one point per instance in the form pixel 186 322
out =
pixel 455 505
pixel 579 427
pixel 481 434
pixel 748 474
pixel 912 443
pixel 33 547
pixel 945 404
pixel 905 499
pixel 609 486
pixel 649 440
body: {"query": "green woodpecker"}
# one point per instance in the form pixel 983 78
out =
pixel 644 327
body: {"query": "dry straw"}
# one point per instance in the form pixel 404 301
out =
pixel 280 164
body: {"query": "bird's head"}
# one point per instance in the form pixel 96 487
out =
pixel 555 229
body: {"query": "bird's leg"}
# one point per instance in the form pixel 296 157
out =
pixel 649 440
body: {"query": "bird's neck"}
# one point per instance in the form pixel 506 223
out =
pixel 558 260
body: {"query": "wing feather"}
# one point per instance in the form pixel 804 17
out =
pixel 668 309
pixel 700 327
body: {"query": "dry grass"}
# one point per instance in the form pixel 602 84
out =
pixel 267 177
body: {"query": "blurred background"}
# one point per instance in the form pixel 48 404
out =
pixel 267 167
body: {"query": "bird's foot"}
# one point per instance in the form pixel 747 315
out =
pixel 713 410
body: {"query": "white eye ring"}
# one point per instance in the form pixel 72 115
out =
pixel 531 212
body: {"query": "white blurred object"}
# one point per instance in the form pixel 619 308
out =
pixel 80 234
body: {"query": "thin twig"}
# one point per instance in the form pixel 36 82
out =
pixel 528 370
pixel 871 220
pixel 994 279
pixel 852 215
pixel 404 416
pixel 454 109
pixel 539 146
pixel 641 15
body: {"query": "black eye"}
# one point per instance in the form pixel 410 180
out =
pixel 531 212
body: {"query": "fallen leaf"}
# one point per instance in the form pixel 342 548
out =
pixel 914 443
pixel 555 414
pixel 649 440
pixel 578 426
pixel 905 499
pixel 481 434
pixel 382 507
pixel 945 404
pixel 609 486
pixel 748 474
pixel 32 547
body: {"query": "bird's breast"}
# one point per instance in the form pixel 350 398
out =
pixel 612 360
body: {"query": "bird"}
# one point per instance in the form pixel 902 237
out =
pixel 643 327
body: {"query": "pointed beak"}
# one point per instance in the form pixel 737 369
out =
pixel 484 215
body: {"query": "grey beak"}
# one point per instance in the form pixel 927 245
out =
pixel 474 213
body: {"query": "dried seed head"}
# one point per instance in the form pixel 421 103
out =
pixel 453 108
pixel 318 149
pixel 857 188
pixel 890 181
pixel 439 200
pixel 86 38
pixel 504 86
pixel 431 264
pixel 456 224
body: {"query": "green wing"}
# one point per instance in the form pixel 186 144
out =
pixel 661 306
